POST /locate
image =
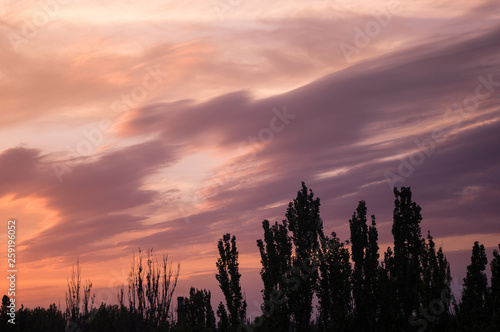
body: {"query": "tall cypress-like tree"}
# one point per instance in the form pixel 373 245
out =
pixel 359 243
pixel 229 281
pixel 471 310
pixel 495 288
pixel 371 272
pixel 276 255
pixel 365 256
pixel 306 226
pixel 386 296
pixel 436 288
pixel 407 250
pixel 334 286
pixel 442 282
pixel 223 325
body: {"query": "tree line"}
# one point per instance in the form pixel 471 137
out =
pixel 350 284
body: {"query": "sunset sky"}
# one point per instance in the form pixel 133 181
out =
pixel 165 124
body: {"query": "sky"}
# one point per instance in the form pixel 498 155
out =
pixel 167 124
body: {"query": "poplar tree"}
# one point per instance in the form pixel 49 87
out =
pixel 365 256
pixel 334 286
pixel 495 288
pixel 229 281
pixel 276 255
pixel 471 310
pixel 306 227
pixel 386 296
pixel 406 271
pixel 436 287
pixel 224 325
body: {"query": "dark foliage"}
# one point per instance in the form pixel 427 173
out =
pixel 197 313
pixel 229 282
pixel 408 290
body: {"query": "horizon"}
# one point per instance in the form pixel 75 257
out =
pixel 166 125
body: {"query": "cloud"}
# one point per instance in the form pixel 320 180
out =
pixel 358 119
pixel 90 198
pixel 249 110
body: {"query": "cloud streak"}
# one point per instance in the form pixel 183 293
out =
pixel 245 110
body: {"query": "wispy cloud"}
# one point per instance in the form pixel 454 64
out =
pixel 244 109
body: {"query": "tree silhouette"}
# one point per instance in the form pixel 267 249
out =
pixel 471 310
pixel 436 286
pixel 229 281
pixel 3 312
pixel 406 268
pixel 386 296
pixel 334 291
pixel 224 324
pixel 409 290
pixel 198 314
pixel 306 227
pixel 365 256
pixel 40 319
pixel 151 288
pixel 276 257
pixel 495 288
pixel 73 294
pixel 74 299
